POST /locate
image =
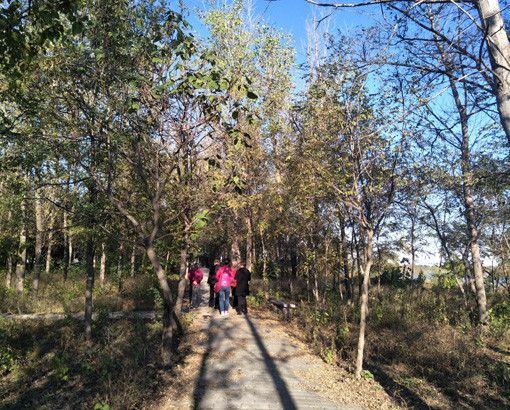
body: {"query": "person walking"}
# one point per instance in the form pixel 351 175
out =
pixel 211 280
pixel 243 276
pixel 195 276
pixel 224 277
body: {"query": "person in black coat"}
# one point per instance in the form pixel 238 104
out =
pixel 243 276
pixel 211 280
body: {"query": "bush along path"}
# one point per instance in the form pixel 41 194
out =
pixel 248 362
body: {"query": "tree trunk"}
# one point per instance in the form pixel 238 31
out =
pixel 413 250
pixel 21 265
pixel 279 264
pixel 51 222
pixel 364 302
pixel 133 261
pixel 235 240
pixel 249 243
pixel 326 276
pixel 264 262
pixel 182 272
pixel 469 211
pixel 345 261
pixel 379 252
pixel 39 228
pixel 166 343
pixel 89 286
pixel 470 283
pixel 8 276
pixel 315 273
pixel 66 247
pixel 119 266
pixel 358 263
pixel 499 52
pixel 102 267
pixel 293 271
pixel 70 246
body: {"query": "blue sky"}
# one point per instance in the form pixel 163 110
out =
pixel 291 16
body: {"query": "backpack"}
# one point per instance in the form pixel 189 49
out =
pixel 225 276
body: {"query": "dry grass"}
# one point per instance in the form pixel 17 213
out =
pixel 422 351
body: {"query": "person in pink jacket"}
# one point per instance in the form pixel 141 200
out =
pixel 195 276
pixel 224 277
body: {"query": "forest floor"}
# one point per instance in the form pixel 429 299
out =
pixel 257 361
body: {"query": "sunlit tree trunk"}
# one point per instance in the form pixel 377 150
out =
pixel 413 250
pixel 496 38
pixel 8 276
pixel 364 301
pixel 49 241
pixel 235 239
pixel 469 206
pixel 249 243
pixel 293 275
pixel 39 228
pixel 345 261
pixel 70 246
pixel 119 266
pixel 326 275
pixel 358 262
pixel 8 268
pixel 66 247
pixel 21 264
pixel 264 262
pixel 315 273
pixel 133 261
pixel 277 250
pixel 102 266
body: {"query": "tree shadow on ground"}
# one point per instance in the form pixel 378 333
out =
pixel 120 366
pixel 219 380
pixel 455 377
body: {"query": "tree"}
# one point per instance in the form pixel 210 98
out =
pixel 249 48
pixel 488 31
pixel 347 153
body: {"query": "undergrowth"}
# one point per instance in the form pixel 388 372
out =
pixel 48 364
pixel 421 345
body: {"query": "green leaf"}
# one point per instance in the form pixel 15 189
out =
pixel 213 85
pixel 77 28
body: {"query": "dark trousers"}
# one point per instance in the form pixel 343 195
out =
pixel 233 298
pixel 241 305
pixel 214 300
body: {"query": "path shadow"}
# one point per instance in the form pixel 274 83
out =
pixel 281 387
pixel 224 376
